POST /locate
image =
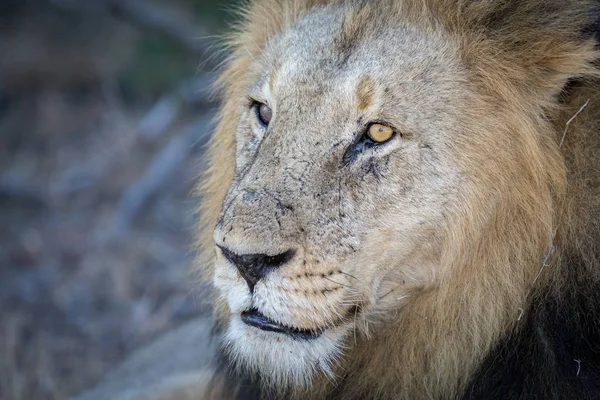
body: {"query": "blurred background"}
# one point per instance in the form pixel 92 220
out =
pixel 104 111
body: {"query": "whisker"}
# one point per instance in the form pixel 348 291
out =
pixel 351 276
pixel 388 293
pixel 412 278
pixel 341 284
pixel 354 329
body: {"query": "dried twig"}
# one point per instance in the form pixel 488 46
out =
pixel 562 140
pixel 168 107
pixel 545 258
pixel 24 192
pixel 545 264
pixel 159 171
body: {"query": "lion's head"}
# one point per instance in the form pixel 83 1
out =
pixel 394 178
pixel 352 180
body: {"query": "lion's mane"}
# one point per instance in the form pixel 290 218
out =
pixel 539 259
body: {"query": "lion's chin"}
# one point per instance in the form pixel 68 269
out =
pixel 281 358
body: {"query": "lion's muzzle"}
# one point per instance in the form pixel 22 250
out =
pixel 254 267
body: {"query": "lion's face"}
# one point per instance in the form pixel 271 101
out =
pixel 323 226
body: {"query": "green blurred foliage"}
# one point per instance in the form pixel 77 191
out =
pixel 215 14
pixel 160 64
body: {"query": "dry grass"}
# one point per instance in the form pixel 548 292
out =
pixel 74 301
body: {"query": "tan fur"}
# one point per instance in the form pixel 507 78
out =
pixel 364 93
pixel 443 248
pixel 443 262
pixel 512 212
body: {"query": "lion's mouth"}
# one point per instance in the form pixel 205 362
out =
pixel 255 318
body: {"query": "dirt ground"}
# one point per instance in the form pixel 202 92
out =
pixel 96 216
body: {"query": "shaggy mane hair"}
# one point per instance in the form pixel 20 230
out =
pixel 535 62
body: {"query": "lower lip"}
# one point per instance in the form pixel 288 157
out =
pixel 257 320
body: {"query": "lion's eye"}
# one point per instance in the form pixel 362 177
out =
pixel 264 113
pixel 380 133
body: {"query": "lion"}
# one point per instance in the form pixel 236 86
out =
pixel 402 201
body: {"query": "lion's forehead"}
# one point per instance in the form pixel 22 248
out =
pixel 415 74
pixel 312 49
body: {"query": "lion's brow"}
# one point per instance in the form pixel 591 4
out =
pixel 273 77
pixel 364 92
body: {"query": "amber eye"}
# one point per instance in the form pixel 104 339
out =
pixel 380 133
pixel 264 113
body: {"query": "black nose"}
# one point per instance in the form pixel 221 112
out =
pixel 254 267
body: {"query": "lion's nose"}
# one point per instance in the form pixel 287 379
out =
pixel 254 267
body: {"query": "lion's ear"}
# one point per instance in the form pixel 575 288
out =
pixel 539 44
